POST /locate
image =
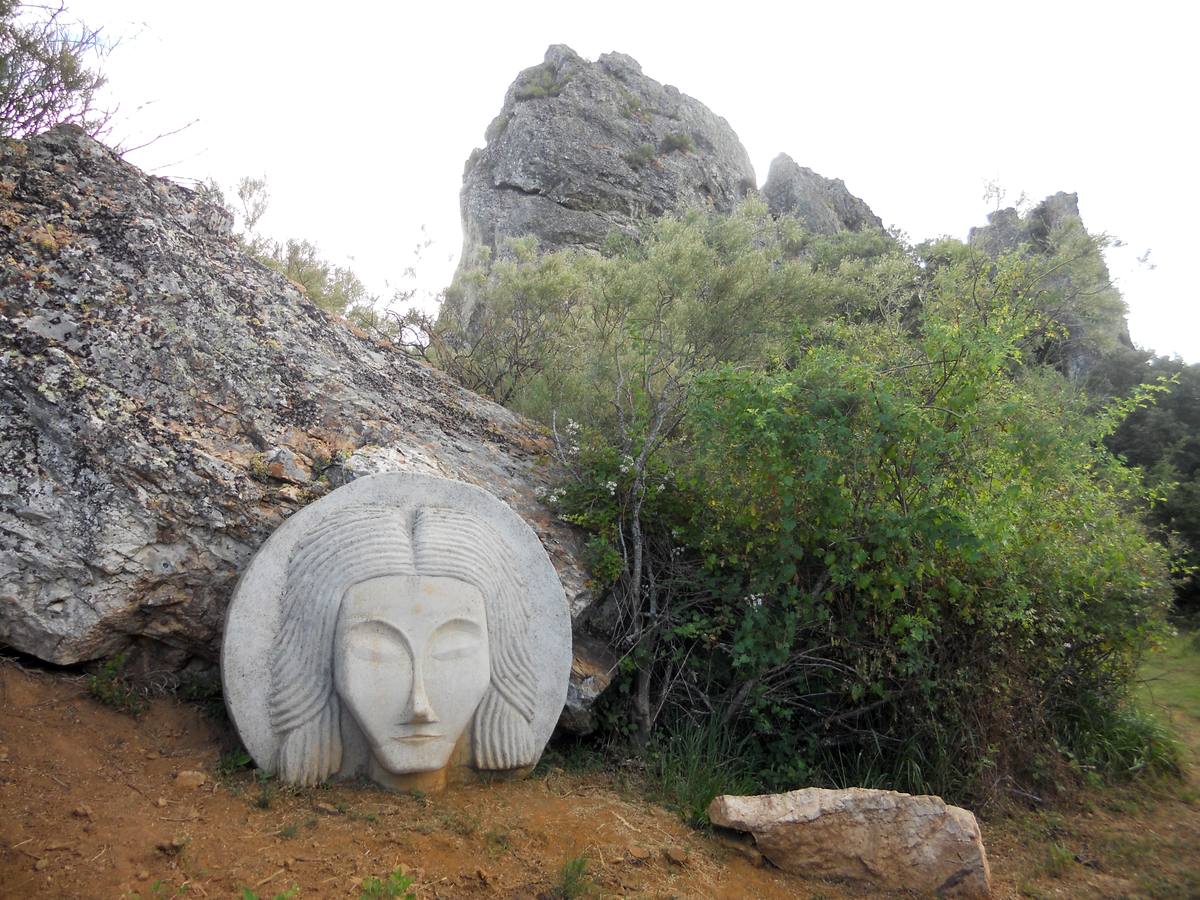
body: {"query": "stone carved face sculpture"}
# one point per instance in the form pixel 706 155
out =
pixel 411 627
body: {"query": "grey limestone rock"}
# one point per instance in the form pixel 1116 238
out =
pixel 821 204
pixel 582 149
pixel 882 839
pixel 166 403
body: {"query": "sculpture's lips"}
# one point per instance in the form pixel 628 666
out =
pixel 417 738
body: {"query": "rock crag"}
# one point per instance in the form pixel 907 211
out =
pixel 581 149
pixel 1083 296
pixel 166 402
pixel 820 204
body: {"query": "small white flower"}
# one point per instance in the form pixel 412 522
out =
pixel 611 486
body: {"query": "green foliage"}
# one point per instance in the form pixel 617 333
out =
pixel 266 789
pixel 289 894
pixel 232 762
pixel 47 70
pixel 1164 439
pixel 690 763
pixel 1059 860
pixel 336 289
pixel 840 498
pixel 632 106
pixel 111 687
pixel 573 881
pixel 676 142
pixel 540 81
pixel 396 884
pixel 640 157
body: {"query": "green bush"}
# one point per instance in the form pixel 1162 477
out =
pixel 540 81
pixel 676 142
pixel 110 686
pixel 640 157
pixel 834 496
pixel 396 884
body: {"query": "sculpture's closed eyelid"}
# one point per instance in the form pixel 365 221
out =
pixel 363 638
pixel 456 639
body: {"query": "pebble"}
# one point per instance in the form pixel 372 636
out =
pixel 677 855
pixel 83 811
pixel 190 779
pixel 641 854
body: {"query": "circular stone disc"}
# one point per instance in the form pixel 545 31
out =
pixel 253 619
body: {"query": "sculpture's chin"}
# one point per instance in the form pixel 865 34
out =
pixel 400 759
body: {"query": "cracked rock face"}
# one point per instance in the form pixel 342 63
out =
pixel 166 402
pixel 582 149
pixel 820 204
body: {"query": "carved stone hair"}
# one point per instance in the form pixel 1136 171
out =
pixel 365 542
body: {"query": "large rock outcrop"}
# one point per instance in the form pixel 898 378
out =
pixel 883 839
pixel 1079 294
pixel 165 402
pixel 821 204
pixel 581 149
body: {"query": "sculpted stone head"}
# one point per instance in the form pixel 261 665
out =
pixel 389 630
pixel 415 624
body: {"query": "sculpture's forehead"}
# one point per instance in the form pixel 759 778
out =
pixel 413 599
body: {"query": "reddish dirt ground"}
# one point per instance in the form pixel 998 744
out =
pixel 90 806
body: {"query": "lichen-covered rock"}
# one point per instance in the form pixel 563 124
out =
pixel 165 402
pixel 821 204
pixel 581 149
pixel 884 839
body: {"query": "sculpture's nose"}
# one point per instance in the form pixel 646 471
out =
pixel 419 710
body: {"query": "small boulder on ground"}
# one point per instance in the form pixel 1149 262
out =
pixel 884 839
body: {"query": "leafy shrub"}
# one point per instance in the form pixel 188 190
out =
pixel 540 81
pixel 573 881
pixel 396 884
pixel 834 497
pixel 676 142
pixel 110 686
pixel 632 106
pixel 640 157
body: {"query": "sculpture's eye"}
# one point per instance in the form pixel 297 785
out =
pixel 377 643
pixel 456 639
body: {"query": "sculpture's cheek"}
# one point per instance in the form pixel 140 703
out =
pixel 456 686
pixel 373 675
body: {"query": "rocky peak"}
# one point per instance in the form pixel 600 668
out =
pixel 821 204
pixel 1008 229
pixel 581 149
pixel 1086 301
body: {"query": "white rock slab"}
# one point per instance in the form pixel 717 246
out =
pixel 406 627
pixel 882 838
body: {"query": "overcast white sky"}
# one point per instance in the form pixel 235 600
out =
pixel 361 115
